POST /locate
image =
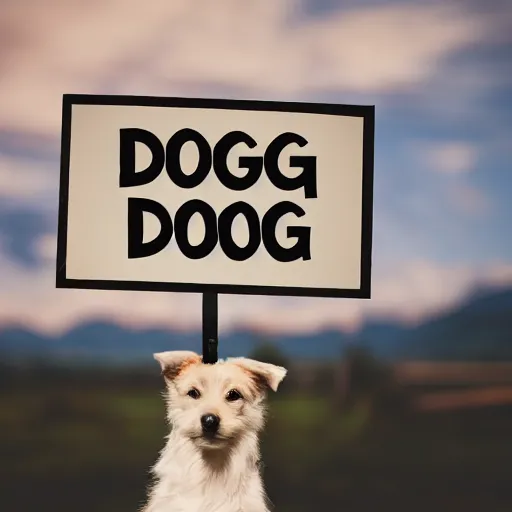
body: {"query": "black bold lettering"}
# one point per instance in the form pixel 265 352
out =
pixel 136 208
pixel 301 249
pixel 128 177
pixel 173 161
pixel 306 179
pixel 226 218
pixel 181 221
pixel 253 164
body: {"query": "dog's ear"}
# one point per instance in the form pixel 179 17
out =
pixel 269 374
pixel 172 362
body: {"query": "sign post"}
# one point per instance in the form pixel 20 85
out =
pixel 215 196
pixel 210 327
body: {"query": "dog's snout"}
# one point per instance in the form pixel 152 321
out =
pixel 210 423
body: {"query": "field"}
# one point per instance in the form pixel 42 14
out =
pixel 84 441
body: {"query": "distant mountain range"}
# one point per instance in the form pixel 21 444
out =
pixel 479 330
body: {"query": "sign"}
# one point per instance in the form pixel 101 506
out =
pixel 221 196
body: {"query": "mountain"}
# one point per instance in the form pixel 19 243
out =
pixel 382 339
pixel 111 343
pixel 478 330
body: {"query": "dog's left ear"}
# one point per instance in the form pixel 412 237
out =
pixel 270 374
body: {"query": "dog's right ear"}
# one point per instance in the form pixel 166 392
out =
pixel 173 362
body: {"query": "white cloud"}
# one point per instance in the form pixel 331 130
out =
pixel 122 46
pixel 46 248
pixel 422 288
pixel 454 162
pixel 452 157
pixel 28 181
pixel 455 159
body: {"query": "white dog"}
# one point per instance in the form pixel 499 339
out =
pixel 216 411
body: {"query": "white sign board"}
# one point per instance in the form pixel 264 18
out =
pixel 225 196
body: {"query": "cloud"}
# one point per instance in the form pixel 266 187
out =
pixel 28 206
pixel 26 180
pixel 423 288
pixel 20 229
pixel 452 157
pixel 456 160
pixel 264 48
pixel 46 248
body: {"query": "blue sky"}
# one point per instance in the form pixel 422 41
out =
pixel 439 73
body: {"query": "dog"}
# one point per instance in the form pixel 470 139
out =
pixel 216 412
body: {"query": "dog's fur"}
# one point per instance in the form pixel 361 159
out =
pixel 200 473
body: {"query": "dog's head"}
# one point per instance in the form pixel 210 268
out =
pixel 215 404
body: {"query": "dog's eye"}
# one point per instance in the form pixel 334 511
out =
pixel 194 393
pixel 233 395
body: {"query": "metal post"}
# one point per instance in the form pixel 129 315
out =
pixel 210 327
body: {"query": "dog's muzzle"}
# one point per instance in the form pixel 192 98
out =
pixel 210 423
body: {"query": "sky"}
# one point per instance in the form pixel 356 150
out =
pixel 438 73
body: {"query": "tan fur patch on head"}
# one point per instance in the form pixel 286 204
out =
pixel 172 373
pixel 187 364
pixel 175 363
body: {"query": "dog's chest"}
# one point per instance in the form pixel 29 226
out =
pixel 209 496
pixel 194 503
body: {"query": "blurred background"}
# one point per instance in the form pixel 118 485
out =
pixel 400 403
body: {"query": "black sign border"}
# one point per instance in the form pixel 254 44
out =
pixel 366 112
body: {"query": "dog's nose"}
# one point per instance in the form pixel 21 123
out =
pixel 210 423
